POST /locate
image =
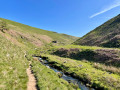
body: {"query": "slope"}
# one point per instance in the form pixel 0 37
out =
pixel 25 35
pixel 17 45
pixel 13 66
pixel 108 35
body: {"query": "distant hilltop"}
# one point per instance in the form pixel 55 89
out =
pixel 106 35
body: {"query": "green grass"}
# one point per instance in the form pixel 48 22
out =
pixel 49 48
pixel 61 38
pixel 48 79
pixel 85 70
pixel 107 56
pixel 82 47
pixel 13 66
pixel 78 46
pixel 21 39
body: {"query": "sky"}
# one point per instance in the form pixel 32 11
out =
pixel 72 17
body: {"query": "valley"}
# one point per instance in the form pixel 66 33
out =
pixel 51 58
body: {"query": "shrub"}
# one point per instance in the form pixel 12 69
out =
pixel 75 53
pixel 3 26
pixel 114 42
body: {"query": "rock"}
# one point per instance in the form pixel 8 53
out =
pixel 69 81
pixel 59 74
pixel 87 85
pixel 65 62
pixel 40 58
pixel 80 65
pixel 47 66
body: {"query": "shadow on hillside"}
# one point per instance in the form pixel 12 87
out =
pixel 105 56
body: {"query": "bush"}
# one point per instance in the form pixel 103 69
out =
pixel 75 53
pixel 3 26
pixel 113 43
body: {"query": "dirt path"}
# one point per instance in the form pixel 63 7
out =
pixel 32 81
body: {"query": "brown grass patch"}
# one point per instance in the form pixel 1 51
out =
pixel 27 37
pixel 13 40
pixel 45 38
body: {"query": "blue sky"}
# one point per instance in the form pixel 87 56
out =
pixel 73 17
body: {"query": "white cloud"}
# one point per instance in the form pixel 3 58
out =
pixel 115 4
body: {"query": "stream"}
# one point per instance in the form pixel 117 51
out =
pixel 68 78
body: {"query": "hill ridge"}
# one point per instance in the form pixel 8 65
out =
pixel 102 35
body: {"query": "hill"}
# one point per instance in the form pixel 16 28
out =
pixel 24 35
pixel 107 35
pixel 97 66
pixel 23 65
pixel 17 45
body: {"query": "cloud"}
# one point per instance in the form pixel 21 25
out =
pixel 115 4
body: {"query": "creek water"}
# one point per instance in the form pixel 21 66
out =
pixel 68 78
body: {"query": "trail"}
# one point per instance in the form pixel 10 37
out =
pixel 32 81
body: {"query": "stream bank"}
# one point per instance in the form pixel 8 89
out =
pixel 85 72
pixel 64 75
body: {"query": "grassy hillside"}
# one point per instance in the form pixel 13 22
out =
pixel 13 66
pixel 98 67
pixel 108 35
pixel 108 56
pixel 17 44
pixel 87 72
pixel 25 35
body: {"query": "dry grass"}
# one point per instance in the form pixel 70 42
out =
pixel 35 39
pixel 111 69
pixel 13 40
